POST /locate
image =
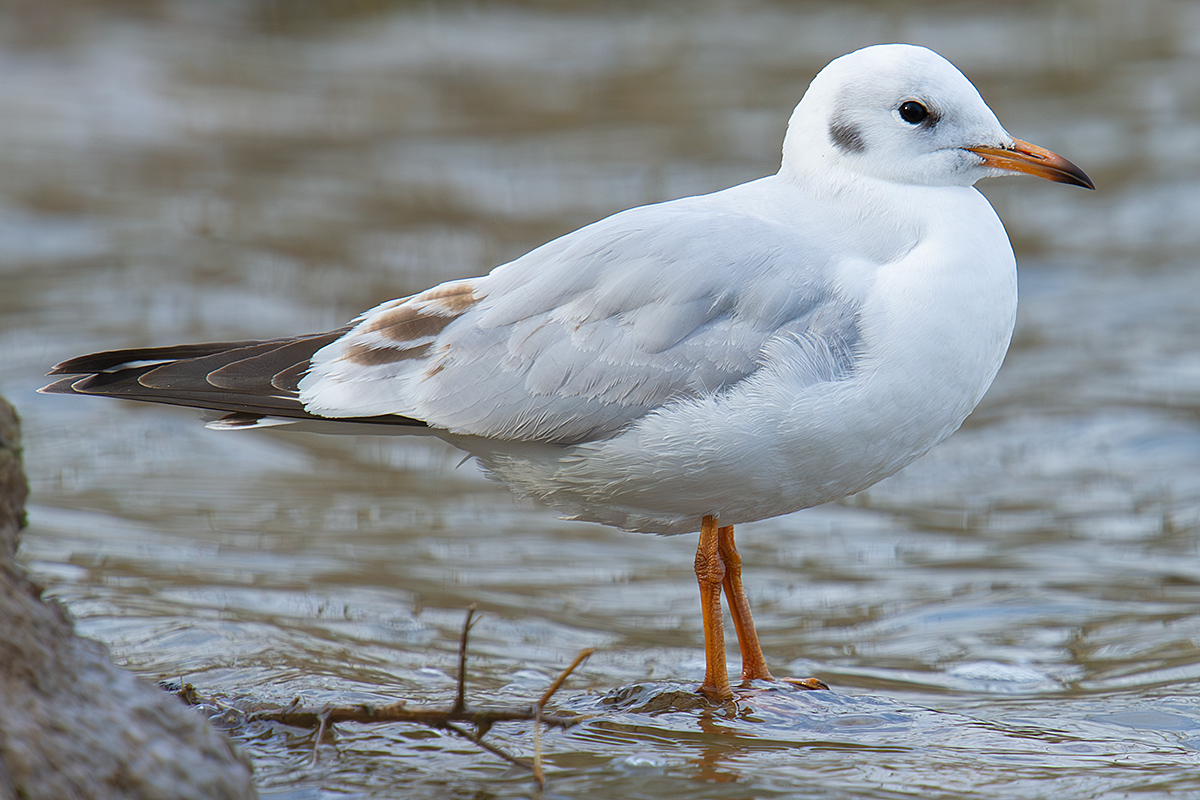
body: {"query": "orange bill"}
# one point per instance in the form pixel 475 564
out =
pixel 1034 160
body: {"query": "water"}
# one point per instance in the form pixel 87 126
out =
pixel 1015 615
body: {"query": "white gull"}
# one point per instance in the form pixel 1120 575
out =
pixel 692 364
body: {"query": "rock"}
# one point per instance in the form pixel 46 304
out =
pixel 73 725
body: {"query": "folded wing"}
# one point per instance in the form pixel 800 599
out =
pixel 570 343
pixel 592 331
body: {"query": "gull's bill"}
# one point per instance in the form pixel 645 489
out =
pixel 1034 160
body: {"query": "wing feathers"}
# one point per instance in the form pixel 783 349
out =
pixel 589 333
pixel 258 367
pixel 249 380
pixel 113 359
pixel 572 342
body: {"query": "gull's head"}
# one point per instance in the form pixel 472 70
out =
pixel 903 114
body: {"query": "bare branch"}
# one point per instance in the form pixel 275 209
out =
pixel 320 735
pixel 324 718
pixel 304 717
pixel 460 700
pixel 566 673
pixel 496 751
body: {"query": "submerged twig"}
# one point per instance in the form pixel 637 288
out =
pixel 325 717
pixel 584 654
pixel 479 742
pixel 310 717
pixel 460 700
pixel 538 774
pixel 320 735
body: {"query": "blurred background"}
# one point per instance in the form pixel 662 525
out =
pixel 1014 615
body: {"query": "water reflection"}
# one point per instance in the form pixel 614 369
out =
pixel 1015 615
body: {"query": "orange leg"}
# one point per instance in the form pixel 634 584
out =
pixel 710 574
pixel 754 665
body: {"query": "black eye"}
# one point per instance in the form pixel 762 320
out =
pixel 913 112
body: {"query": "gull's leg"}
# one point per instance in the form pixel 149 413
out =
pixel 754 665
pixel 710 574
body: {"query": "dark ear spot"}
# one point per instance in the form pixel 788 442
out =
pixel 846 136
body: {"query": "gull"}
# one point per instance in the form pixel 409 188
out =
pixel 693 364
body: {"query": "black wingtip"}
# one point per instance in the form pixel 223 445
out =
pixel 62 386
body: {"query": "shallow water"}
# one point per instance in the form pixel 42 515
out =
pixel 1015 615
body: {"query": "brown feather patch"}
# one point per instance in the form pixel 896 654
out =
pixel 367 356
pixel 424 315
pixel 454 297
pixel 405 323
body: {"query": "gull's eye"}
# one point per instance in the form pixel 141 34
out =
pixel 913 112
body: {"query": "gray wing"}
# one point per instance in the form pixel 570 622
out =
pixel 590 332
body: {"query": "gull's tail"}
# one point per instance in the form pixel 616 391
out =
pixel 254 383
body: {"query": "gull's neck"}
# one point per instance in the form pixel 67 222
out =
pixel 879 220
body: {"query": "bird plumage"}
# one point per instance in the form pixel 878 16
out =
pixel 740 354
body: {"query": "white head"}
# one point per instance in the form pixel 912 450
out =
pixel 903 114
